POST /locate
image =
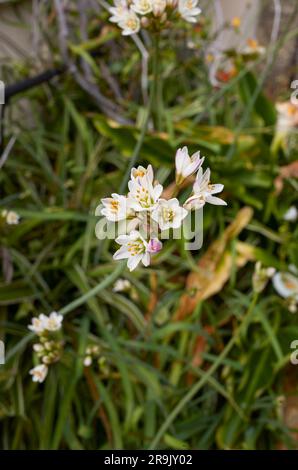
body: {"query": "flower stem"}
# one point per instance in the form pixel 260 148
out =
pixel 92 292
pixel 197 386
pixel 157 85
pixel 154 107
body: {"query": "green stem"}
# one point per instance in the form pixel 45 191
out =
pixel 105 283
pixel 157 86
pixel 197 386
pixel 154 107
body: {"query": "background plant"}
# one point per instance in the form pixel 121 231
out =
pixel 191 356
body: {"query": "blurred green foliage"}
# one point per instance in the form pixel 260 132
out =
pixel 156 390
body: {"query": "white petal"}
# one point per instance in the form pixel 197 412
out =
pixel 172 202
pixel 158 189
pixel 122 253
pixel 216 188
pixel 122 239
pixel 155 214
pixel 194 202
pixel 146 259
pixel 215 200
pixel 285 284
pixel 134 234
pixel 150 173
pixel 182 159
pixel 133 262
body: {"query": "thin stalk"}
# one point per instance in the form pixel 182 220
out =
pixel 151 108
pixel 84 298
pixel 197 386
pixel 157 85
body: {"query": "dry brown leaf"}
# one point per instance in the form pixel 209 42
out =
pixel 215 266
pixel 289 409
pixel 285 172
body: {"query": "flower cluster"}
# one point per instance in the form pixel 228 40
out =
pixel 91 353
pixel 131 15
pixel 49 347
pixel 147 214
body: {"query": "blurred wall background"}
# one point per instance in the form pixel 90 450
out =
pixel 20 35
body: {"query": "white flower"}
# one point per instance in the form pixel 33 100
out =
pixel 122 285
pixel 287 116
pixel 115 208
pixel 186 165
pixel 38 347
pixel 142 6
pixel 253 47
pixel 11 217
pixel 54 322
pixel 43 323
pixel 87 361
pixel 286 285
pixel 134 248
pixel 293 305
pixel 291 215
pixel 143 196
pixel 130 23
pixel 141 171
pixel 39 373
pixel 159 7
pixel 118 11
pixel 203 192
pixel 189 10
pixel 169 214
pixel 38 324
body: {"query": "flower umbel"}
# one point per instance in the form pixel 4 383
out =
pixel 151 14
pixel 49 348
pixel 153 215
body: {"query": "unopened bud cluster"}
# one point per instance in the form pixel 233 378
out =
pixel 50 346
pixel 93 355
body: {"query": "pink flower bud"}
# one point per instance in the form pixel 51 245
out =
pixel 154 245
